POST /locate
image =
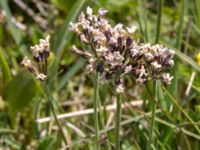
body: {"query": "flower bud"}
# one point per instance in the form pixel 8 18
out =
pixel 119 41
pixel 129 41
pixel 100 68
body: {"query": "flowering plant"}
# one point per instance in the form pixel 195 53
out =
pixel 40 56
pixel 116 52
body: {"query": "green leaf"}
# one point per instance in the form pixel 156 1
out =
pixel 173 86
pixel 19 92
pixel 4 67
pixel 47 143
pixel 197 14
pixel 64 36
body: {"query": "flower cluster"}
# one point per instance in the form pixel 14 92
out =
pixel 40 55
pixel 115 52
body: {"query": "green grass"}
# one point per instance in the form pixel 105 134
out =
pixel 166 120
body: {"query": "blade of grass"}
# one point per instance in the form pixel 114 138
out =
pixel 196 28
pixel 139 18
pixel 64 36
pixel 4 67
pixel 15 33
pixel 197 12
pixel 173 87
pixel 181 109
pixel 159 21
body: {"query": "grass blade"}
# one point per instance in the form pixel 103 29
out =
pixel 197 14
pixel 4 67
pixel 64 36
pixel 173 87
pixel 181 109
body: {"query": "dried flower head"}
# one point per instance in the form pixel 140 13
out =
pixel 40 54
pixel 115 52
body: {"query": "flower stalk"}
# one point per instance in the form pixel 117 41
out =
pixel 151 131
pixel 117 121
pixel 50 101
pixel 95 106
pixel 38 67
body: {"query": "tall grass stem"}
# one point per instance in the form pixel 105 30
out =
pixel 117 122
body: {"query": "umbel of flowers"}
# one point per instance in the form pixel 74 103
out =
pixel 40 53
pixel 114 51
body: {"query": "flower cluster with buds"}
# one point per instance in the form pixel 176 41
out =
pixel 115 52
pixel 40 55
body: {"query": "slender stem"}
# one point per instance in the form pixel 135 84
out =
pixel 47 113
pixel 146 26
pixel 36 114
pixel 117 122
pixel 139 18
pixel 95 106
pixel 152 117
pixel 50 101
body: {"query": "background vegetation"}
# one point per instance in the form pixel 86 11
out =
pixel 22 101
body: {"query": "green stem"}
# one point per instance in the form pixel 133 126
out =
pixel 50 101
pixel 95 106
pixel 153 116
pixel 37 112
pixel 117 122
pixel 159 20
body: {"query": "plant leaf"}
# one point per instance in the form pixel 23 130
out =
pixel 4 67
pixel 64 36
pixel 19 92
